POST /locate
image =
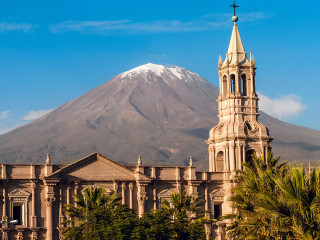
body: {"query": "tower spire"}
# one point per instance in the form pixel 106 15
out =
pixel 236 52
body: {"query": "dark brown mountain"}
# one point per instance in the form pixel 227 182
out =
pixel 162 113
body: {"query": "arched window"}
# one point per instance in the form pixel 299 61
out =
pixel 233 79
pixel 244 84
pixel 249 155
pixel 219 162
pixel 224 85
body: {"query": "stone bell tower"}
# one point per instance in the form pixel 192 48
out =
pixel 239 134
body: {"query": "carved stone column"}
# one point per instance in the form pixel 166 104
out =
pixel 34 235
pixel 61 217
pixel 131 195
pixel 115 186
pixel 20 234
pixel 154 196
pixel 206 202
pixel 33 213
pixel 76 186
pixel 5 235
pixel 4 205
pixel 141 197
pixel 68 197
pixel 193 191
pixel 49 194
pixel 123 193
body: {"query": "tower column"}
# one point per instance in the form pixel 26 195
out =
pixel 232 157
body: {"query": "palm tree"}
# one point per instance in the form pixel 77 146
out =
pixel 302 194
pixel 91 198
pixel 255 192
pixel 184 211
pixel 276 202
pixel 182 205
pixel 88 217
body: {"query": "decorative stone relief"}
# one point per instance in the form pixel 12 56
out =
pixel 217 195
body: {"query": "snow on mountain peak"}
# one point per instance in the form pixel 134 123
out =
pixel 159 70
pixel 149 67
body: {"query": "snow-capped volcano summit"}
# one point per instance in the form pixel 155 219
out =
pixel 149 67
pixel 151 73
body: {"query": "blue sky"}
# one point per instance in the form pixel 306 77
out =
pixel 54 51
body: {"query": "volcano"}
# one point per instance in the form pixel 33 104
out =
pixel 162 113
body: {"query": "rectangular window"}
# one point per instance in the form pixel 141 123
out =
pixel 217 211
pixel 17 213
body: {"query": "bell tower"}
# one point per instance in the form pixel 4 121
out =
pixel 239 134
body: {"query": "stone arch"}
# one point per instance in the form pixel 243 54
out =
pixel 224 85
pixel 220 161
pixel 232 82
pixel 244 84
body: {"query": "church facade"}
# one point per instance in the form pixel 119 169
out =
pixel 35 195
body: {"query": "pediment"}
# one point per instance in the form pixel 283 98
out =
pixel 19 193
pixel 165 194
pixel 217 194
pixel 96 167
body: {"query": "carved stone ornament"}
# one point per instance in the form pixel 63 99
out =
pixel 251 126
pixel 165 194
pixel 217 195
pixel 19 193
pixel 220 129
pixel 106 188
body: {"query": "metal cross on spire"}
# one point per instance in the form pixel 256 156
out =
pixel 234 6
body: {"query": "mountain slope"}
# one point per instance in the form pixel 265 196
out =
pixel 162 113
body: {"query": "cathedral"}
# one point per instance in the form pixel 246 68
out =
pixel 34 196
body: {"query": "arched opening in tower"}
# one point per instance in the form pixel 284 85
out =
pixel 224 85
pixel 244 84
pixel 220 162
pixel 233 79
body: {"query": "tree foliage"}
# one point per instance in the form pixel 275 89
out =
pixel 98 215
pixel 275 201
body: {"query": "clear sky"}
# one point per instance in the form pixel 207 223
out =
pixel 54 51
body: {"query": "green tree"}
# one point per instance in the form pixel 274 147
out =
pixel 275 202
pixel 186 218
pixel 98 215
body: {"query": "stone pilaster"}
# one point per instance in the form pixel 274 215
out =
pixel 154 196
pixel 115 186
pixel 68 197
pixel 4 205
pixel 123 193
pixel 5 235
pixel 141 197
pixel 49 199
pixel 131 195
pixel 61 217
pixel 34 234
pixel 76 186
pixel 34 204
pixel 20 234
